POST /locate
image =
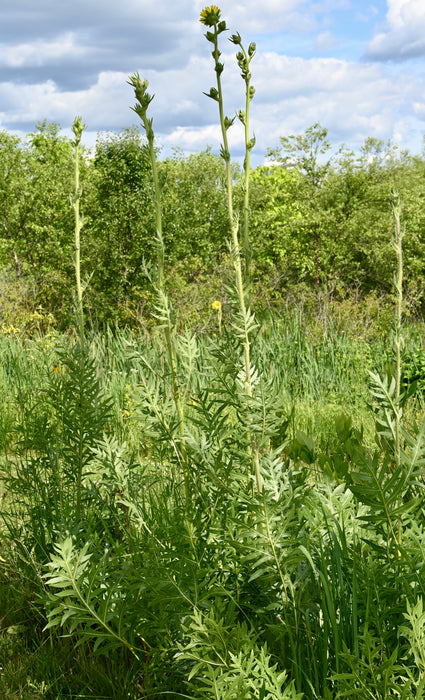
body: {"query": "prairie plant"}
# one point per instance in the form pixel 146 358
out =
pixel 78 128
pixel 49 475
pixel 210 17
pixel 290 589
pixel 244 58
pixel 227 661
pixel 143 99
pixel 387 481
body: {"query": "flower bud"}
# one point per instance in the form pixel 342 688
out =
pixel 242 116
pixel 228 122
pixel 251 143
pixel 236 38
pixel 213 93
pixel 78 128
pixel 224 153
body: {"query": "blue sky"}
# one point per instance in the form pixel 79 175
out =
pixel 357 67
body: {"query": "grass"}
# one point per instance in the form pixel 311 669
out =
pixel 228 515
pixel 313 373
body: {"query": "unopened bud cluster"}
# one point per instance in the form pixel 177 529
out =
pixel 143 101
pixel 78 128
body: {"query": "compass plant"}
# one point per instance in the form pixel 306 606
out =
pixel 211 18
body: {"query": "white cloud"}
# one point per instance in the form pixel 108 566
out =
pixel 352 100
pixel 325 41
pixel 404 35
pixel 281 15
pixel 39 52
pixel 84 69
pixel 419 109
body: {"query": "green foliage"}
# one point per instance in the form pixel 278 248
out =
pixel 195 213
pixel 57 429
pixel 88 598
pixel 318 225
pixel 227 663
pixel 226 516
pixel 120 227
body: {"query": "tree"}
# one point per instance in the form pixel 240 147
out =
pixel 194 207
pixel 120 226
pixel 36 217
pixel 12 182
pixel 302 153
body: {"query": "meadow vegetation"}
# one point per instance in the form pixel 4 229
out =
pixel 212 435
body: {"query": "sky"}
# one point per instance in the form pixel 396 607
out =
pixel 356 67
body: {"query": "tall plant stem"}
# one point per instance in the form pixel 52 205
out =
pixel 157 203
pixel 247 168
pixel 143 100
pixel 397 340
pixel 78 128
pixel 225 123
pixel 244 59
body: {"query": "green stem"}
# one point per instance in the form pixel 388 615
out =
pixel 244 60
pixel 179 407
pixel 78 128
pixel 143 100
pixel 236 252
pixel 398 284
pixel 157 203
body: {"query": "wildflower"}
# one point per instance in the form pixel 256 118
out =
pixel 210 16
pixel 8 330
pixel 56 369
pixel 216 305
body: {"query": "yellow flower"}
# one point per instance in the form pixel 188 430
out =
pixel 7 330
pixel 216 305
pixel 210 15
pixel 56 369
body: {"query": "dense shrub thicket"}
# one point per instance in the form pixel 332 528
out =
pixel 319 225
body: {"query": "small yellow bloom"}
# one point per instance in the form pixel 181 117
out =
pixel 210 15
pixel 8 330
pixel 216 305
pixel 56 369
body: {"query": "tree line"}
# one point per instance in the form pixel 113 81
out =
pixel 320 225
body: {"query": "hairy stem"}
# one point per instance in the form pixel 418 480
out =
pixel 78 128
pixel 225 123
pixel 143 100
pixel 398 340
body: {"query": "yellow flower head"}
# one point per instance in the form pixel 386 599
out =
pixel 210 15
pixel 216 305
pixel 56 368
